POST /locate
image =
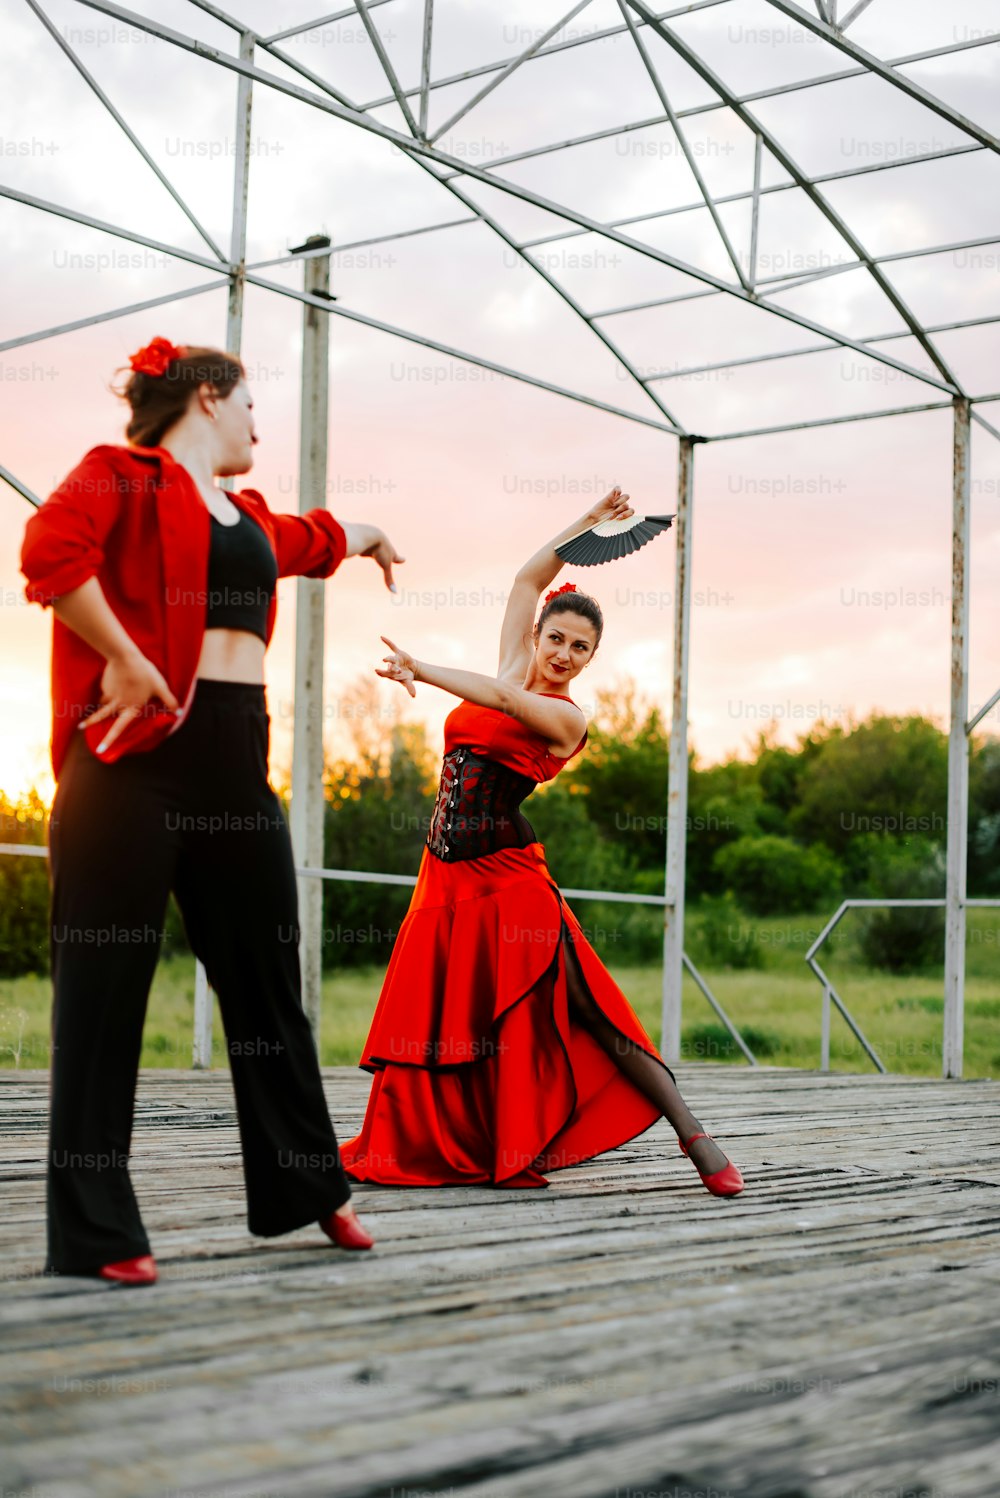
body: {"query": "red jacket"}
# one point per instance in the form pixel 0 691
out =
pixel 133 518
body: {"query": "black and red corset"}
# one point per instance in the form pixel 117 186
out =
pixel 478 808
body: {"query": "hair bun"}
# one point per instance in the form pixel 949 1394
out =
pixel 163 377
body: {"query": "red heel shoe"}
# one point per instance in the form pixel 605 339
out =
pixel 141 1271
pixel 724 1182
pixel 346 1232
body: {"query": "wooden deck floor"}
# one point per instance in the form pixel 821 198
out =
pixel 833 1333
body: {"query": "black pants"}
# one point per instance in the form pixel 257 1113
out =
pixel 195 815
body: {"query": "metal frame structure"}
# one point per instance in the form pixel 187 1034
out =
pixel 830 994
pixel 420 144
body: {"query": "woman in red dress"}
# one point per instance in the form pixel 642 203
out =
pixel 501 1046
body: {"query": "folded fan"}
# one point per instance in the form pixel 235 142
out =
pixel 611 539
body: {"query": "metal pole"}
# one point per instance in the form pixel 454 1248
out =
pixel 204 1006
pixel 425 64
pixel 673 910
pixel 755 209
pixel 958 754
pixel 201 1059
pixel 241 192
pixel 307 746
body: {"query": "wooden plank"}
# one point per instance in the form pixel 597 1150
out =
pixel 832 1332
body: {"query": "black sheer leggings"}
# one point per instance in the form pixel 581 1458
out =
pixel 652 1077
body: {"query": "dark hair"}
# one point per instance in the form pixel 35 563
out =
pixel 574 603
pixel 158 401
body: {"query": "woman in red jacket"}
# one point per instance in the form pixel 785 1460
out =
pixel 163 589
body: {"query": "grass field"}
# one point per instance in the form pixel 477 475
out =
pixel 776 1008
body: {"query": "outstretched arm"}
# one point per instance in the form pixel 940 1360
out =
pixel 536 574
pixel 562 723
pixel 315 543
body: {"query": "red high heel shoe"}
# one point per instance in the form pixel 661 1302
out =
pixel 141 1271
pixel 724 1182
pixel 346 1232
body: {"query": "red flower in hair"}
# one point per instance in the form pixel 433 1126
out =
pixel 566 588
pixel 154 358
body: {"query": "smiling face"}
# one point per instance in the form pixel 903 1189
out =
pixel 233 429
pixel 563 646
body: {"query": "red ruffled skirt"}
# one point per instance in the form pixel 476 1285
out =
pixel 481 1074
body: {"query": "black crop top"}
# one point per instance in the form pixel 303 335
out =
pixel 242 575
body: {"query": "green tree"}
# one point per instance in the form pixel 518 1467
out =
pixel 779 770
pixel 984 817
pixel 908 938
pixel 378 803
pixel 887 776
pixel 24 888
pixel 623 774
pixel 724 804
pixel 721 936
pixel 771 874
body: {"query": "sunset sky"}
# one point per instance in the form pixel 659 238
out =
pixel 822 558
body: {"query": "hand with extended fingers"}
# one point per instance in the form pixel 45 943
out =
pixel 402 667
pixel 127 685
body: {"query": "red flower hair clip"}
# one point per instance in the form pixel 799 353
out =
pixel 566 588
pixel 154 358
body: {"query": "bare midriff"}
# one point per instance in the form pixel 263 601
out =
pixel 232 655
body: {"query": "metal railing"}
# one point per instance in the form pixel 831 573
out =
pixel 830 994
pixel 203 1007
pixel 201 1049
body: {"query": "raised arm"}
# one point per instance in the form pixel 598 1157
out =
pixel 562 723
pixel 534 577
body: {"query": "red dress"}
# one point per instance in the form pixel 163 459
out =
pixel 481 1075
